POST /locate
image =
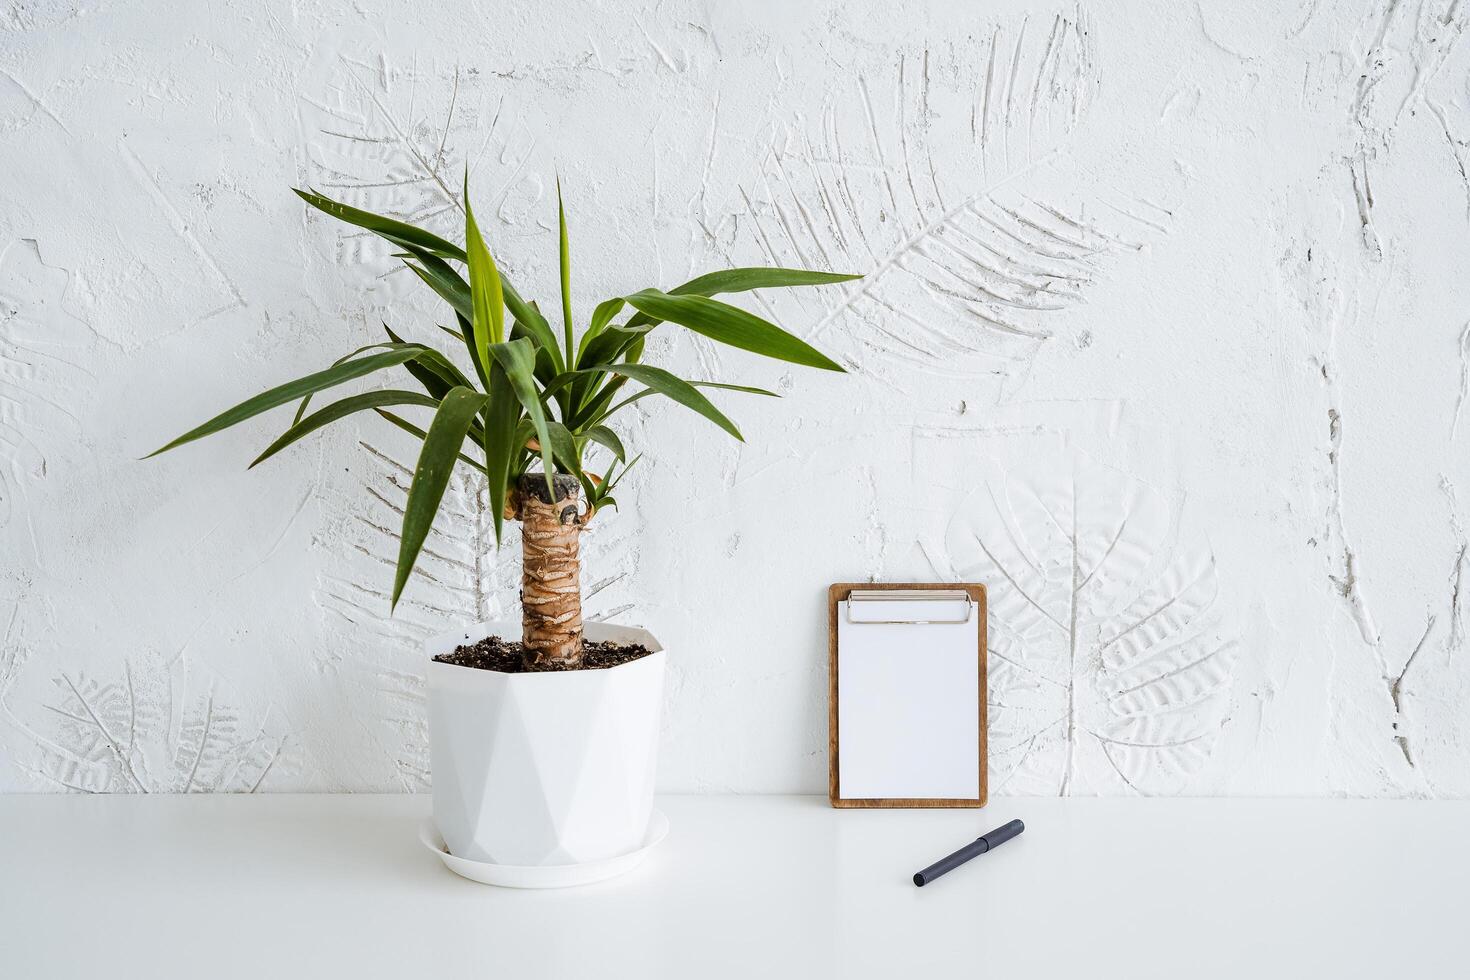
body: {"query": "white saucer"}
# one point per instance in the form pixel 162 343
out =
pixel 548 876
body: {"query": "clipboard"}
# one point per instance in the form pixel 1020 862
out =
pixel 906 689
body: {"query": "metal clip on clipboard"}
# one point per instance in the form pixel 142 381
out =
pixel 857 598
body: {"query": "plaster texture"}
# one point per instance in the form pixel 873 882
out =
pixel 1165 336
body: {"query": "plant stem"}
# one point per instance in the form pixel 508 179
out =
pixel 551 588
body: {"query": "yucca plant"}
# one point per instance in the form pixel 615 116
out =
pixel 532 397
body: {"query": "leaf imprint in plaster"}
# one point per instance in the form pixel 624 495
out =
pixel 146 731
pixel 393 140
pixel 967 258
pixel 1108 666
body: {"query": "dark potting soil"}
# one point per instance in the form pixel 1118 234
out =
pixel 493 653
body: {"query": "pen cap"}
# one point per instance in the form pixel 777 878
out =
pixel 1003 833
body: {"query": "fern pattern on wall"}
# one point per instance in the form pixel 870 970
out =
pixel 1109 669
pixel 965 265
pixel 147 731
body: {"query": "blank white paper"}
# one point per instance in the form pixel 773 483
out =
pixel 908 703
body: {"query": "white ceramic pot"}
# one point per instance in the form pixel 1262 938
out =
pixel 546 768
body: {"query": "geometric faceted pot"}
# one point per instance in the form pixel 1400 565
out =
pixel 545 768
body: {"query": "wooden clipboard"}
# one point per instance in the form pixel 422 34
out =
pixel 836 597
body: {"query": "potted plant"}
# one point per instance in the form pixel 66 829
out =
pixel 543 733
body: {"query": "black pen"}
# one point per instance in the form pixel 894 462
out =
pixel 946 864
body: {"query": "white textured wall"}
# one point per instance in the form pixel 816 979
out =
pixel 1164 336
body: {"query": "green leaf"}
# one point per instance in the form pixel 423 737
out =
pixel 698 384
pixel 758 277
pixel 454 290
pixel 594 411
pixel 742 280
pixel 535 328
pixel 564 447
pixel 610 343
pixel 745 388
pixel 439 280
pixel 601 317
pixel 730 325
pixel 518 358
pixel 566 270
pixel 604 436
pixel 559 382
pixel 679 390
pixel 525 429
pixel 397 232
pixel 502 447
pixel 425 246
pixel 613 344
pixel 631 354
pixel 466 337
pixel 603 494
pixel 487 297
pixel 436 463
pixel 280 395
pixel 613 481
pixel 431 369
pixel 301 409
pixel 342 409
pixel 466 333
pixel 412 429
pixel 442 278
pixel 530 317
pixel 435 372
pixel 589 488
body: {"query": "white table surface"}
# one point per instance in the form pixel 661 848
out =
pixel 339 886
